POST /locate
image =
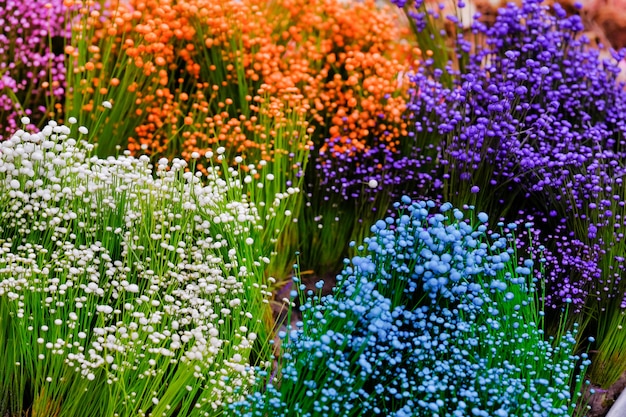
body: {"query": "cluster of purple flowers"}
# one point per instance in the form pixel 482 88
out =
pixel 536 118
pixel 532 118
pixel 416 327
pixel 31 60
pixel 393 171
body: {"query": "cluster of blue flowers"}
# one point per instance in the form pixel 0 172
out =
pixel 435 318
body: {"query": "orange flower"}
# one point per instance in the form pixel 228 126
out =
pixel 221 72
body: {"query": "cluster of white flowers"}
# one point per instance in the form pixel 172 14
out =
pixel 130 273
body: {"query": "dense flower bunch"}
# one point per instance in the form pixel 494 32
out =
pixel 595 202
pixel 596 196
pixel 207 93
pixel 176 78
pixel 359 90
pixel 121 53
pixel 520 103
pixel 523 113
pixel 174 67
pixel 146 290
pixel 535 118
pixel 435 319
pixel 570 263
pixel 146 278
pixel 32 74
pixel 209 67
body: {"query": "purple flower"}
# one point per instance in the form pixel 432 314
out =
pixel 31 60
pixel 538 118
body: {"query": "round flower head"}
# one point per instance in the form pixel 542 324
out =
pixel 133 281
pixel 431 307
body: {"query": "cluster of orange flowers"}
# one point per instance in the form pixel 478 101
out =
pixel 216 72
pixel 123 52
pixel 350 60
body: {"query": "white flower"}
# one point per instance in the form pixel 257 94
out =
pixel 104 309
pixel 25 120
pixel 83 130
pixel 372 183
pixel 107 104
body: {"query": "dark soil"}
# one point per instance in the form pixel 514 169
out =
pixel 600 401
pixel 309 280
